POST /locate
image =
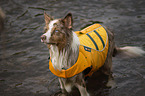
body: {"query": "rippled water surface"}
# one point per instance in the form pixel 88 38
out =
pixel 23 58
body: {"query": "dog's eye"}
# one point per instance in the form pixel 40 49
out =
pixel 45 30
pixel 56 31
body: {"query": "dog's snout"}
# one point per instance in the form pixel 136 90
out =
pixel 43 37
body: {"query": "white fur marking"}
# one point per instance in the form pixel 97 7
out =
pixel 60 59
pixel 68 87
pixel 48 33
pixel 61 84
pixel 54 53
pixel 83 90
pixel 75 42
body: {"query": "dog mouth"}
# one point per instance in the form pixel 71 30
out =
pixel 49 43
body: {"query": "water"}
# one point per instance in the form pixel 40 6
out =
pixel 23 58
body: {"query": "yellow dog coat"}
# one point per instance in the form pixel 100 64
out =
pixel 93 51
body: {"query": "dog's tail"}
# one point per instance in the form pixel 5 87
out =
pixel 128 52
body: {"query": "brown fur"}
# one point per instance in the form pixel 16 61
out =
pixel 63 32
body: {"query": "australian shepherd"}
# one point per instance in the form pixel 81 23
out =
pixel 64 47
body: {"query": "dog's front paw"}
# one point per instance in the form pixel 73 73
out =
pixel 111 83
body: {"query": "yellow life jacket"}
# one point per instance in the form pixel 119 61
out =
pixel 93 51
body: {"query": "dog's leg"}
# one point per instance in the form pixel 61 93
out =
pixel 62 86
pixel 81 85
pixel 111 82
pixel 82 90
pixel 107 70
pixel 66 85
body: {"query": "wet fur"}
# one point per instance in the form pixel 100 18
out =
pixel 63 45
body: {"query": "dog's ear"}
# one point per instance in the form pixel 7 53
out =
pixel 68 21
pixel 47 18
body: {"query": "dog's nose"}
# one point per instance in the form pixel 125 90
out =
pixel 43 37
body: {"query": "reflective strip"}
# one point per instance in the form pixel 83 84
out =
pixel 93 41
pixel 100 38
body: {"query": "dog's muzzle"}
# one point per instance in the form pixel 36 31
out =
pixel 43 39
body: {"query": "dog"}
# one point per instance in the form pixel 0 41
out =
pixel 74 55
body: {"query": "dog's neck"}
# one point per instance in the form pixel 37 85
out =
pixel 67 56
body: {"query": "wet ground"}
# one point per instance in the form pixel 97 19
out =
pixel 23 58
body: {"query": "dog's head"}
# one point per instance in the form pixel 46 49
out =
pixel 57 31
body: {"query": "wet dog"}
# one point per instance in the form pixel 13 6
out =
pixel 65 47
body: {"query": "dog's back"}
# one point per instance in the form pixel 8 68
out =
pixel 94 36
pixel 94 43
